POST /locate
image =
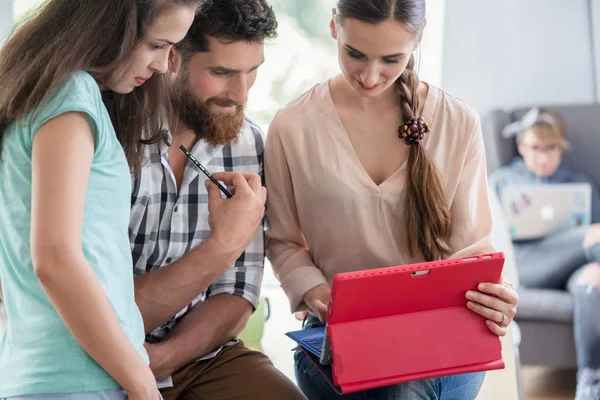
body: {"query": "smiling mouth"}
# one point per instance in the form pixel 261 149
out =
pixel 362 85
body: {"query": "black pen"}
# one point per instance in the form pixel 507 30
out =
pixel 213 180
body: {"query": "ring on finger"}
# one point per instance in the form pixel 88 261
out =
pixel 508 285
pixel 504 317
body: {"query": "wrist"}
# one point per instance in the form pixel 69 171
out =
pixel 163 359
pixel 223 249
pixel 316 292
pixel 168 351
pixel 141 383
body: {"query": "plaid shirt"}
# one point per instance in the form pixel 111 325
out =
pixel 166 225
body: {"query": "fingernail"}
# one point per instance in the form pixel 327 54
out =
pixel 481 286
pixel 469 294
pixel 488 322
pixel 470 304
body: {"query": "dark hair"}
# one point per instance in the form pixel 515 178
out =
pixel 428 224
pixel 229 21
pixel 97 36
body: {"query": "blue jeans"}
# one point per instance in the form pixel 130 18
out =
pixel 556 262
pixel 549 262
pixel 454 387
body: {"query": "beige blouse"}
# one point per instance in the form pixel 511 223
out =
pixel 325 214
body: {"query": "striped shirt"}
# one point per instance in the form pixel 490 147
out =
pixel 166 223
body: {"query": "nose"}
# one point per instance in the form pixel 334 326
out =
pixel 160 64
pixel 543 156
pixel 370 76
pixel 543 161
pixel 238 90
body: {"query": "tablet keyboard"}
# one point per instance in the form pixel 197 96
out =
pixel 316 343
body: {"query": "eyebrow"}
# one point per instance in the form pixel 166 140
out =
pixel 167 42
pixel 233 71
pixel 360 52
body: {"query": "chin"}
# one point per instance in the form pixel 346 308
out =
pixel 545 174
pixel 368 95
pixel 123 89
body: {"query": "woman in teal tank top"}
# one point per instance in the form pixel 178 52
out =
pixel 80 81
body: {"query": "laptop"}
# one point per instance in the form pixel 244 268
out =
pixel 536 210
pixel 398 324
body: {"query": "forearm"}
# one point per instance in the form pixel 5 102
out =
pixel 161 294
pixel 89 316
pixel 206 327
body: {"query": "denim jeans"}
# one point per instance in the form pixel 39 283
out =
pixel 593 253
pixel 549 262
pixel 556 262
pixel 455 387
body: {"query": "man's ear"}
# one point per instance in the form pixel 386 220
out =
pixel 175 60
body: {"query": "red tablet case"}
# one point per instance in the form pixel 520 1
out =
pixel 396 324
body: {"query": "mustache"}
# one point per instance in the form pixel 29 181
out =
pixel 223 102
pixel 215 128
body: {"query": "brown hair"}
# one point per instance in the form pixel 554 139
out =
pixel 427 215
pixel 97 36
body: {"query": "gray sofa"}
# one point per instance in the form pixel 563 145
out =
pixel 545 316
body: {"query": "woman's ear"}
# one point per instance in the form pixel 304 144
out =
pixel 174 60
pixel 332 25
pixel 417 42
pixel 419 38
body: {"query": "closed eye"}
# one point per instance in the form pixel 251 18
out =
pixel 356 55
pixel 218 72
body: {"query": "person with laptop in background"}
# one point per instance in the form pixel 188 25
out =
pixel 375 168
pixel 198 257
pixel 568 256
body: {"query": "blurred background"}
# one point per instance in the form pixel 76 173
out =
pixel 500 56
pixel 494 54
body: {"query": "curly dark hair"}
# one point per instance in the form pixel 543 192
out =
pixel 229 21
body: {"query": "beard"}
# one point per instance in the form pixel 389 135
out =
pixel 217 129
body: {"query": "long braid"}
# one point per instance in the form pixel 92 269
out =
pixel 428 225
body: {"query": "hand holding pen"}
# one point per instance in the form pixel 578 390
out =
pixel 205 172
pixel 233 221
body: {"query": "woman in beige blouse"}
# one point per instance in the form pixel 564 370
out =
pixel 351 189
